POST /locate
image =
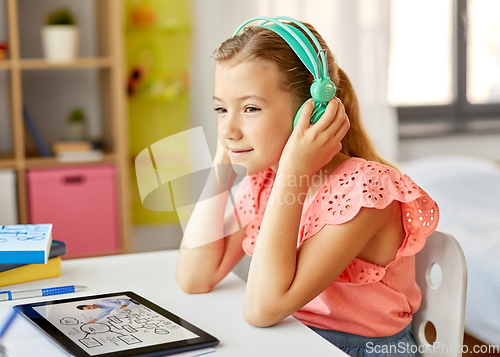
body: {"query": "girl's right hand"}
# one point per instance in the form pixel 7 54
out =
pixel 311 146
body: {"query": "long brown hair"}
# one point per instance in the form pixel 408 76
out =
pixel 263 44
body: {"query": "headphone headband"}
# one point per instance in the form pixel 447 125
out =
pixel 322 89
pixel 296 40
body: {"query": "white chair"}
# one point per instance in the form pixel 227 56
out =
pixel 443 305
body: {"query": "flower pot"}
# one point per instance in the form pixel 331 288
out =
pixel 76 131
pixel 60 42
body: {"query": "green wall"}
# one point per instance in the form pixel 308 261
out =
pixel 158 44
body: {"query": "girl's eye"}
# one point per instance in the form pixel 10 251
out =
pixel 251 109
pixel 220 110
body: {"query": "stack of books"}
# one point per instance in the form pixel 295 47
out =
pixel 76 151
pixel 28 253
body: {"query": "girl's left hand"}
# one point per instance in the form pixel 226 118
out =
pixel 312 146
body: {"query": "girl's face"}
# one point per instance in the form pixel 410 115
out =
pixel 255 113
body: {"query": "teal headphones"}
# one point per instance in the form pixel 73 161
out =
pixel 322 89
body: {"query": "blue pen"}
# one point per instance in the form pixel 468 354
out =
pixel 4 329
pixel 13 295
pixel 8 322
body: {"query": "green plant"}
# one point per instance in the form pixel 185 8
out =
pixel 60 17
pixel 76 116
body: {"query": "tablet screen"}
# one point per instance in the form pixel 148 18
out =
pixel 113 324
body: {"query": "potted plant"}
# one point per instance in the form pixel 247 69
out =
pixel 60 36
pixel 76 125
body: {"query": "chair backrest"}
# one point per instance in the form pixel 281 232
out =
pixel 443 305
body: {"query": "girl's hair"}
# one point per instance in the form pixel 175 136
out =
pixel 260 43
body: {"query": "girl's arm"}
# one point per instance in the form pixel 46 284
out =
pixel 202 266
pixel 281 279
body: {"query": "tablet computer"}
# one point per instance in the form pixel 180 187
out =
pixel 119 324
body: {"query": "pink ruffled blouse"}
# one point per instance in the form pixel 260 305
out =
pixel 366 299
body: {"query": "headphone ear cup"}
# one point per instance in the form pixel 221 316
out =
pixel 297 115
pixel 323 90
pixel 316 113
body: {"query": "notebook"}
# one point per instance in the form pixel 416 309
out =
pixel 31 272
pixel 25 243
pixel 57 249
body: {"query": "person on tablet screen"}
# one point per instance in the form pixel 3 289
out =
pixel 332 227
pixel 107 306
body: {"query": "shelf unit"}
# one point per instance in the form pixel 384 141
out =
pixel 109 63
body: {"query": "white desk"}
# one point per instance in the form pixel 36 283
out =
pixel 152 275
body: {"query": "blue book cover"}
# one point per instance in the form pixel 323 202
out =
pixel 25 243
pixel 57 249
pixel 40 144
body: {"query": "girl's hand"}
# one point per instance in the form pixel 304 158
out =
pixel 312 146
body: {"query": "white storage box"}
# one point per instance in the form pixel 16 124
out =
pixel 8 198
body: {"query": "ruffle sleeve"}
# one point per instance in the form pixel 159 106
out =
pixel 368 184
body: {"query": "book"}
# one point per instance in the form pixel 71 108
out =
pixel 80 156
pixel 43 150
pixel 31 272
pixel 71 146
pixel 57 249
pixel 25 243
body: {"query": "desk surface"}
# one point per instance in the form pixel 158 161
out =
pixel 152 275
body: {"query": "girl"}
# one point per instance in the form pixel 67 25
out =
pixel 332 227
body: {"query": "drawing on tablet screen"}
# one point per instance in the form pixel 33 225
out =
pixel 69 321
pixel 117 329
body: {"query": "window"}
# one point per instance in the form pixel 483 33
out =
pixel 444 71
pixel 483 52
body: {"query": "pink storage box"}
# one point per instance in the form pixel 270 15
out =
pixel 81 202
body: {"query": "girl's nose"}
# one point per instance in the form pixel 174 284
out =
pixel 230 128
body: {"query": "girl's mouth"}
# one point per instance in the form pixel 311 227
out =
pixel 240 153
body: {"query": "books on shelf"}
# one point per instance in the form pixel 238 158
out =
pixel 57 249
pixel 31 272
pixel 43 150
pixel 80 156
pixel 71 146
pixel 25 243
pixel 77 151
